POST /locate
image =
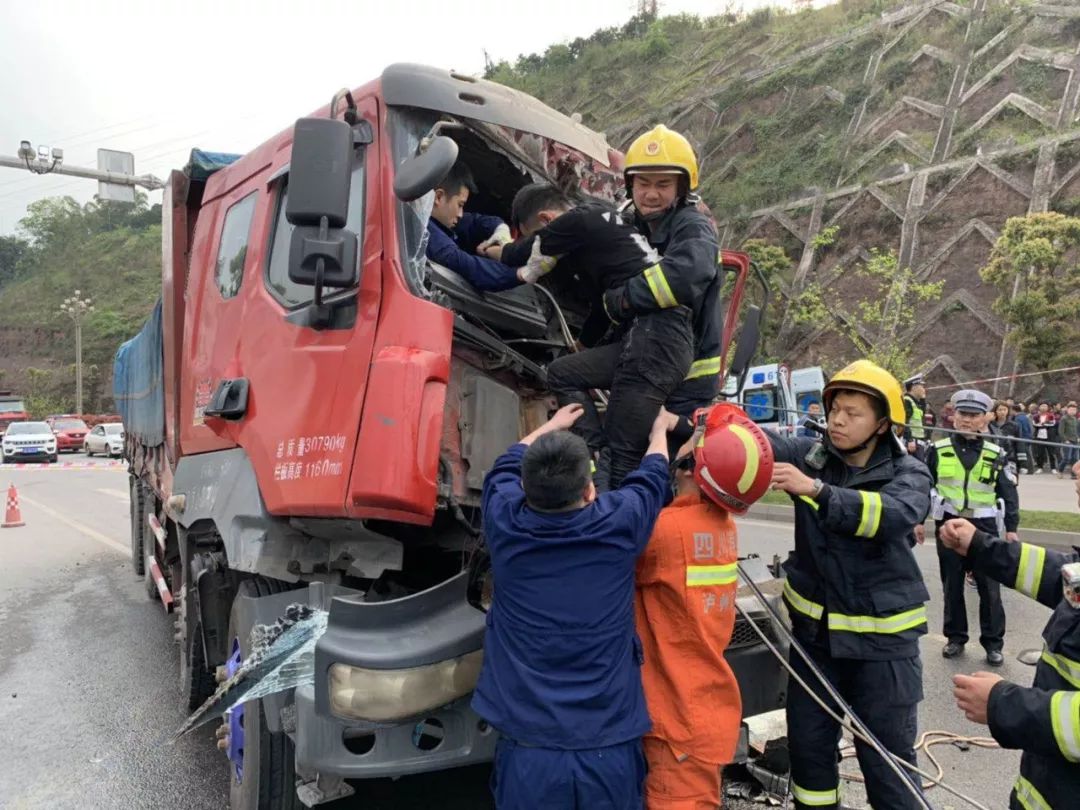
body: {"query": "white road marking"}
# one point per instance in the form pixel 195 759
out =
pixel 122 494
pixel 79 527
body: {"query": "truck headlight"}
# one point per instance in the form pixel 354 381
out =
pixel 387 695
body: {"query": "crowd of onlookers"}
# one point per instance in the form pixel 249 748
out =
pixel 1019 426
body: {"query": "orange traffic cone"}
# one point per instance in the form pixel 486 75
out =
pixel 13 517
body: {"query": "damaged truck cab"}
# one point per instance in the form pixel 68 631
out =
pixel 311 410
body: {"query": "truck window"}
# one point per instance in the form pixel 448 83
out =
pixel 278 282
pixel 233 248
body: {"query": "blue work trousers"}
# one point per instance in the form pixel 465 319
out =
pixel 609 778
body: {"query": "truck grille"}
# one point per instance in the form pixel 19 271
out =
pixel 743 634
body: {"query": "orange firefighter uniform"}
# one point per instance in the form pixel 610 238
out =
pixel 685 612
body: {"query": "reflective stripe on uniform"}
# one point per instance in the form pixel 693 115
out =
pixel 811 501
pixel 1065 667
pixel 1029 574
pixel 661 290
pixel 703 367
pixel 753 457
pixel 801 603
pixel 1065 715
pixel 815 798
pixel 871 514
pixel 897 623
pixel 701 575
pixel 1029 797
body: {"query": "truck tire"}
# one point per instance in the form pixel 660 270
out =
pixel 266 776
pixel 196 684
pixel 137 508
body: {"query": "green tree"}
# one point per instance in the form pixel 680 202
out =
pixel 876 319
pixel 775 264
pixel 12 249
pixel 1034 265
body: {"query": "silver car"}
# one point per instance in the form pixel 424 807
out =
pixel 108 440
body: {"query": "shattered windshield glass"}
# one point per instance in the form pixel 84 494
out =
pixel 282 657
pixel 407 127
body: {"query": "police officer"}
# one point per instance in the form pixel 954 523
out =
pixel 970 475
pixel 1044 719
pixel 854 590
pixel 661 177
pixel 917 415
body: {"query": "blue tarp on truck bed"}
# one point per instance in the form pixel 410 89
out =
pixel 137 383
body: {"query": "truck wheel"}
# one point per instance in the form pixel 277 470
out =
pixel 262 767
pixel 196 684
pixel 137 508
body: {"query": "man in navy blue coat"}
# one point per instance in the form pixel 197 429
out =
pixel 561 678
pixel 454 234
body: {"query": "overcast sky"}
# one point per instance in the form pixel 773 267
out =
pixel 159 77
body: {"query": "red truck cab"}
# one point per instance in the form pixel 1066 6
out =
pixel 312 408
pixel 12 409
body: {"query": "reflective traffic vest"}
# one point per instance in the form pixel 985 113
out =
pixel 918 431
pixel 968 493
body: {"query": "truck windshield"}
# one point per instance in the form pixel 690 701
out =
pixel 12 406
pixel 407 127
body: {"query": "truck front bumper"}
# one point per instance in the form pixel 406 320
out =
pixel 420 653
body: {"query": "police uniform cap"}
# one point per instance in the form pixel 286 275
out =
pixel 972 401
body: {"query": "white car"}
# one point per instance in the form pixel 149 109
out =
pixel 105 439
pixel 29 441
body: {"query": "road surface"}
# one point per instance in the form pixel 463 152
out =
pixel 88 691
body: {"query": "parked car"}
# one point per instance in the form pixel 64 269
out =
pixel 108 440
pixel 70 432
pixel 29 441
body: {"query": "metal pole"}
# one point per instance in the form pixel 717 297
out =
pixel 147 181
pixel 78 365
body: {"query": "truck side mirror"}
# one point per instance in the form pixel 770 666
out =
pixel 322 251
pixel 419 174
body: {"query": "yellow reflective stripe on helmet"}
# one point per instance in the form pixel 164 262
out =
pixel 1065 667
pixel 801 603
pixel 661 290
pixel 1065 715
pixel 896 623
pixel 753 458
pixel 870 521
pixel 815 798
pixel 701 575
pixel 1029 797
pixel 811 501
pixel 1029 574
pixel 703 367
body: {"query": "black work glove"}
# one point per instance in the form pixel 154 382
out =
pixel 615 305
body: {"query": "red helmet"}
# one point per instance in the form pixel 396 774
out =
pixel 733 460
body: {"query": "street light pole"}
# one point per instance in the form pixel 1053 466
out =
pixel 77 308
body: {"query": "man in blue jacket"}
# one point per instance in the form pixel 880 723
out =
pixel 454 234
pixel 561 678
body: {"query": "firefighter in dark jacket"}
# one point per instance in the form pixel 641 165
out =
pixel 661 176
pixel 854 590
pixel 971 474
pixel 1044 719
pixel 641 355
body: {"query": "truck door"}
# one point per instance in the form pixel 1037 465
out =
pixel 306 385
